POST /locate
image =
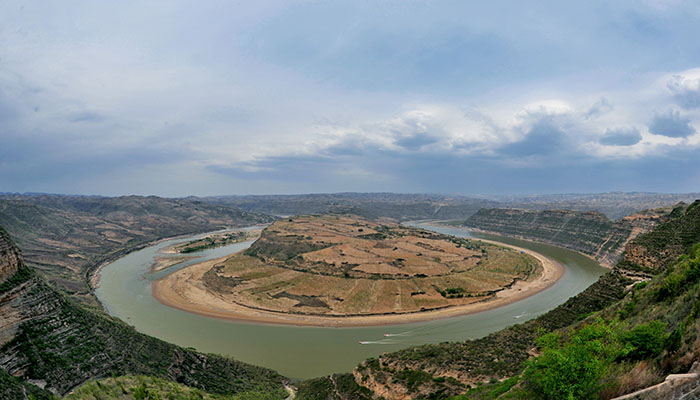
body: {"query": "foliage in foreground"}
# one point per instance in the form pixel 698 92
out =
pixel 151 388
pixel 334 387
pixel 655 329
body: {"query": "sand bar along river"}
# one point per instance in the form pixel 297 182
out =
pixel 306 352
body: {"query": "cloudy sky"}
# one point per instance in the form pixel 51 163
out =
pixel 176 98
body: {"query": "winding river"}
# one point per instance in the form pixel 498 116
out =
pixel 305 352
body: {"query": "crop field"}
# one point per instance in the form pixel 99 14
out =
pixel 337 265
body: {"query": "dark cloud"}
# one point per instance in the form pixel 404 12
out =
pixel 416 142
pixel 543 139
pixel 87 116
pixel 451 173
pixel 599 108
pixel 685 91
pixel 672 125
pixel 621 137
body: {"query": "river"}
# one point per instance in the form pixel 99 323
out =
pixel 306 352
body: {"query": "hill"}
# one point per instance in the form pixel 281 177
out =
pixel 346 266
pixel 67 237
pixel 57 344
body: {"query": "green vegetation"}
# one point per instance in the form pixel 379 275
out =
pixel 334 387
pixel 14 388
pixel 273 245
pixel 660 332
pixel 676 280
pixel 572 369
pixel 22 275
pixel 213 241
pixel 141 387
pixel 489 391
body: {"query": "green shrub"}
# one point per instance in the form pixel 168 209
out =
pixel 572 369
pixel 645 341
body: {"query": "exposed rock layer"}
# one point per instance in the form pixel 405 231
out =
pixel 10 258
pixel 591 233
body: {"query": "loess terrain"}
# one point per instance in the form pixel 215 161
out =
pixel 344 266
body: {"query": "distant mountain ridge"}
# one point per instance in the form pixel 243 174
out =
pixel 404 207
pixel 399 207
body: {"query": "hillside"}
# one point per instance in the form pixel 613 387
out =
pixel 57 344
pixel 67 237
pixel 590 233
pixel 344 266
pixel 642 332
pixel 664 244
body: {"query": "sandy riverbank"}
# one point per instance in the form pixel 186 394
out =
pixel 185 290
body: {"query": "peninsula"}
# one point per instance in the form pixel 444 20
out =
pixel 344 270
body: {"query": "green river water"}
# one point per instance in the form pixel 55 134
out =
pixel 305 352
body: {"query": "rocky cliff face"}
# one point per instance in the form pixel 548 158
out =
pixel 16 305
pixel 10 258
pixel 591 233
pixel 656 250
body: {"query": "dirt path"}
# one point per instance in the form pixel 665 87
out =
pixel 292 392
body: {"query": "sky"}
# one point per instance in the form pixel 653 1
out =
pixel 178 98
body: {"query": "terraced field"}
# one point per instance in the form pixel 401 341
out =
pixel 339 266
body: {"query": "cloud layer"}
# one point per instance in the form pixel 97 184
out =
pixel 178 98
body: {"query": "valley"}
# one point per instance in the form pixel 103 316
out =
pixel 407 360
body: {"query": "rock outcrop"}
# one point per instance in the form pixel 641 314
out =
pixel 10 257
pixel 590 233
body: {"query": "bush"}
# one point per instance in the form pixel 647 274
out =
pixel 645 341
pixel 572 369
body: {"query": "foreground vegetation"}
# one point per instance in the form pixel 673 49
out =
pixel 141 387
